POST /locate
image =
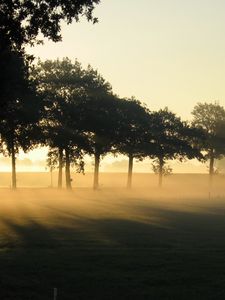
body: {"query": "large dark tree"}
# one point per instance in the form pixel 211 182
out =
pixel 13 77
pixel 209 117
pixel 20 114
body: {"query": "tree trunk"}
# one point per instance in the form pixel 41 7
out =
pixel 161 163
pixel 211 167
pixel 60 168
pixel 96 171
pixel 51 177
pixel 13 154
pixel 68 177
pixel 130 171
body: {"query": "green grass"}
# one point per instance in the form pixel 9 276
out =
pixel 111 245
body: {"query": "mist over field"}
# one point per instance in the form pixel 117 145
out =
pixel 176 183
pixel 113 243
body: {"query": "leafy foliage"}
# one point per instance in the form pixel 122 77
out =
pixel 210 117
pixel 166 169
pixel 132 134
pixel 60 85
pixel 173 139
pixel 21 112
pixel 21 22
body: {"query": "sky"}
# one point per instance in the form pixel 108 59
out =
pixel 164 52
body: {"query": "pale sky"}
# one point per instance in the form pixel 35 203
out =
pixel 164 52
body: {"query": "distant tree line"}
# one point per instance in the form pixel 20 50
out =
pixel 73 111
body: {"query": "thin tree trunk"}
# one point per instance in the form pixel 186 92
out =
pixel 68 177
pixel 13 154
pixel 51 175
pixel 211 167
pixel 96 171
pixel 161 163
pixel 130 171
pixel 60 168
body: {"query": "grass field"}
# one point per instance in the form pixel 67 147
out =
pixel 114 244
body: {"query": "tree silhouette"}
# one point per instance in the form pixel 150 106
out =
pixel 20 116
pixel 209 117
pixel 101 114
pixel 96 111
pixel 61 85
pixel 133 124
pixel 21 22
pixel 157 168
pixel 173 139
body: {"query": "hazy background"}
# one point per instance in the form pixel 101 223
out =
pixel 35 161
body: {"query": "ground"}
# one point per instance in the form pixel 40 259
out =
pixel 113 243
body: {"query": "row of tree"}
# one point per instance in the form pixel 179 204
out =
pixel 74 112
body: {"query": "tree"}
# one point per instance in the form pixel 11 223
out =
pixel 101 114
pixel 98 117
pixel 209 117
pixel 14 66
pixel 157 169
pixel 173 139
pixel 21 22
pixel 20 116
pixel 57 158
pixel 220 137
pixel 134 118
pixel 61 85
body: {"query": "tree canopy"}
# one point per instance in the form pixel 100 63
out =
pixel 21 22
pixel 172 139
pixel 210 117
pixel 61 85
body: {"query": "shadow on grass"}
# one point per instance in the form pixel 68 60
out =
pixel 158 254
